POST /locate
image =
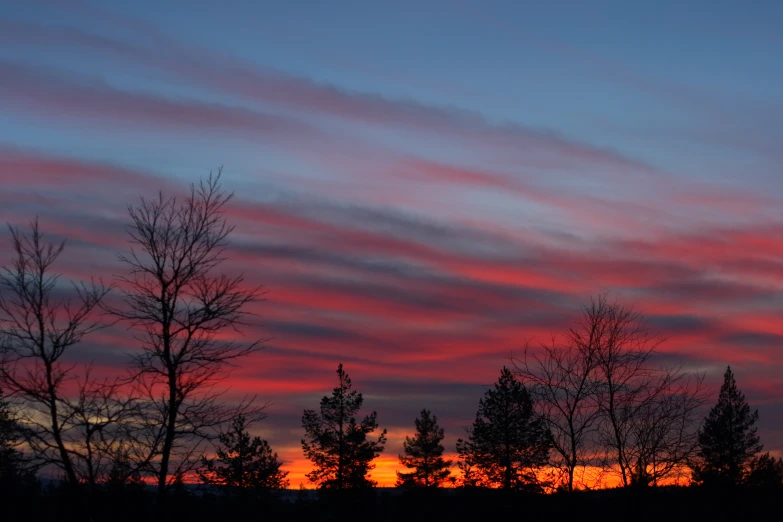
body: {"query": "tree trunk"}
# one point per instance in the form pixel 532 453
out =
pixel 67 465
pixel 168 442
pixel 570 478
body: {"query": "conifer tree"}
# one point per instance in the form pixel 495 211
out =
pixel 122 473
pixel 336 444
pixel 728 440
pixel 11 463
pixel 766 472
pixel 424 455
pixel 507 442
pixel 248 464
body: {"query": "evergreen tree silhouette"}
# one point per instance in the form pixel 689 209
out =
pixel 248 463
pixel 728 440
pixel 11 462
pixel 766 472
pixel 122 472
pixel 507 441
pixel 179 489
pixel 336 444
pixel 424 455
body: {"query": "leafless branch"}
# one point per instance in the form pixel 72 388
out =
pixel 178 306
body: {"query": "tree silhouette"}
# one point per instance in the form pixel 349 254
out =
pixel 508 442
pixel 40 325
pixel 248 463
pixel 608 407
pixel 561 380
pixel 648 414
pixel 766 472
pixel 338 445
pixel 177 303
pixel 424 455
pixel 13 467
pixel 123 471
pixel 728 440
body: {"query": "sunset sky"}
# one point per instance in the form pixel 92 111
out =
pixel 421 186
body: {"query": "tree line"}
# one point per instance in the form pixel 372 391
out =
pixel 510 445
pixel 596 405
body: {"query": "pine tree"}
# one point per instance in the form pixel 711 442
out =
pixel 122 473
pixel 728 440
pixel 507 442
pixel 248 463
pixel 424 455
pixel 13 470
pixel 179 489
pixel 766 472
pixel 336 444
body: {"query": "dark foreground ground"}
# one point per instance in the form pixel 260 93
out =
pixel 653 504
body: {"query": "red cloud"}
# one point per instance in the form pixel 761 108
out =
pixel 408 302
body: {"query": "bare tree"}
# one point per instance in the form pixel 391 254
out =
pixel 609 407
pixel 39 326
pixel 561 379
pixel 623 348
pixel 104 415
pixel 178 305
pixel 664 431
pixel 649 425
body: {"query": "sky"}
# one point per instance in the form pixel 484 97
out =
pixel 421 187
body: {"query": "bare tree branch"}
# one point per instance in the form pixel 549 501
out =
pixel 610 409
pixel 178 307
pixel 38 328
pixel 561 380
pixel 649 422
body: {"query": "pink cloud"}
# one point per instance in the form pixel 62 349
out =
pixel 46 94
pixel 246 80
pixel 33 170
